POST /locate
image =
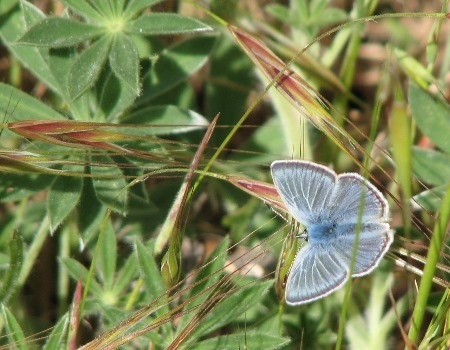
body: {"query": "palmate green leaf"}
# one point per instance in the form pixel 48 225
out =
pixel 330 16
pixel 431 199
pixel 125 276
pixel 134 7
pixel 165 24
pixel 87 67
pixel 149 270
pixel 12 28
pixel 83 8
pixel 14 187
pixel 62 198
pixel 431 115
pixel 109 184
pixel 33 58
pixel 108 9
pixel 7 5
pixel 57 338
pixel 118 6
pixel 90 212
pixel 17 105
pixel 175 64
pixel 10 278
pixel 124 62
pixel 233 306
pixel 80 273
pixel 31 14
pixel 167 120
pixel 279 11
pixel 60 61
pixel 14 332
pixel 106 262
pixel 430 166
pixel 247 340
pixel 60 32
pixel 115 97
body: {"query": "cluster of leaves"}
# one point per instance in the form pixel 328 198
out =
pixel 93 70
pixel 109 63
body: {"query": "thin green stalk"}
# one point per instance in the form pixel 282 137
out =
pixel 347 73
pixel 401 140
pixel 133 296
pixel 373 130
pixel 91 273
pixel 436 243
pixel 63 274
pixel 34 250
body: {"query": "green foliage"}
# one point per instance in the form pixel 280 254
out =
pixel 431 166
pixel 16 256
pixel 13 330
pixel 62 198
pixel 308 15
pixel 431 115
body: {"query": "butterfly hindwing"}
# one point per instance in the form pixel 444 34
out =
pixel 315 273
pixel 374 241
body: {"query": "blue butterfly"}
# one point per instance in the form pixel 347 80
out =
pixel 329 206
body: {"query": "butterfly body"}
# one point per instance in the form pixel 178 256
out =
pixel 320 233
pixel 339 212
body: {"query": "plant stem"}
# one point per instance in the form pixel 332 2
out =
pixel 34 250
pixel 437 240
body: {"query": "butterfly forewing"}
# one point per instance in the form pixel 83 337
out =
pixel 346 201
pixel 304 187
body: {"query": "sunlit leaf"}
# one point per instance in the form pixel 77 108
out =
pixel 79 272
pixel 110 185
pixel 10 278
pixel 62 198
pixel 59 32
pixel 166 120
pixel 83 8
pixel 431 115
pixel 58 336
pixel 135 6
pixel 432 167
pixel 124 61
pixel 17 105
pixel 165 23
pixel 14 332
pixel 87 67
